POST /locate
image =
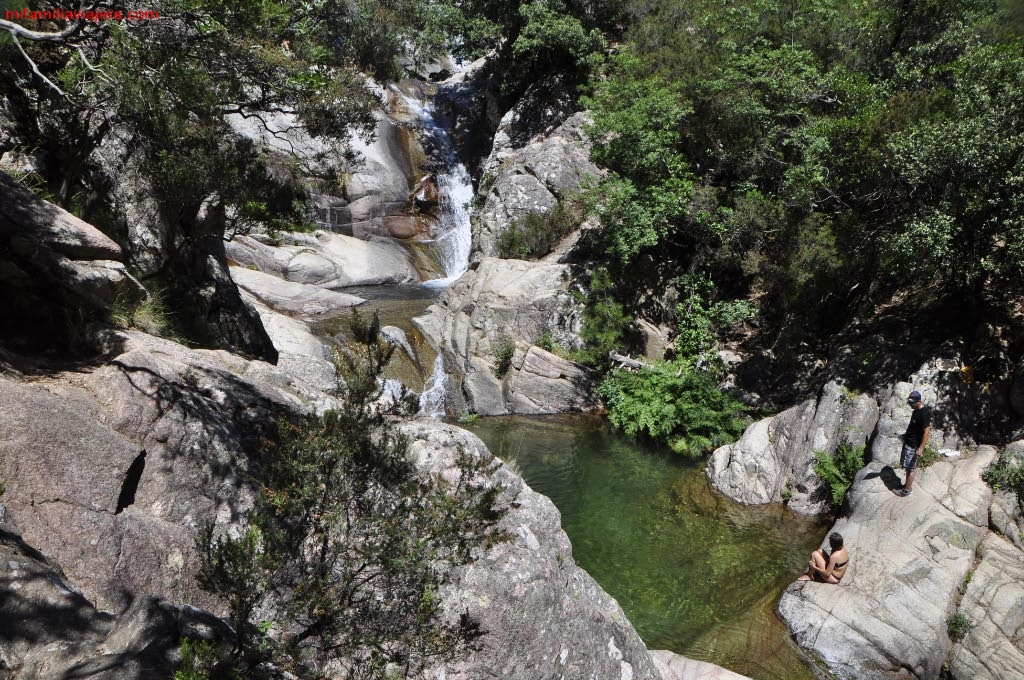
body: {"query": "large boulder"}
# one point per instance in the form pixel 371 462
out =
pixel 110 470
pixel 288 297
pixel 531 179
pixel 994 605
pixel 49 630
pixel 776 455
pixel 327 260
pixel 480 317
pixel 908 559
pixel 675 667
pixel 57 271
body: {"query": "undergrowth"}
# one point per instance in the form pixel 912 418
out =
pixel 838 469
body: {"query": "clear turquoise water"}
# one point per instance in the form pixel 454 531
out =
pixel 695 572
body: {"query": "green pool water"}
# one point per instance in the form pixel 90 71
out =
pixel 695 572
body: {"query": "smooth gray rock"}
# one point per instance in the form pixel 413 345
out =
pixel 293 298
pixel 777 454
pixel 531 179
pixel 497 303
pixel 327 260
pixel 908 559
pixel 675 667
pixel 994 603
pixel 545 617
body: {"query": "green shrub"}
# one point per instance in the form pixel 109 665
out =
pixel 1006 472
pixel 958 626
pixel 503 354
pixel 838 469
pixel 604 321
pixel 546 341
pixel 347 537
pixel 149 316
pixel 198 660
pixel 673 404
pixel 536 234
pixel 929 456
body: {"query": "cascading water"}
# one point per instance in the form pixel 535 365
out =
pixel 451 236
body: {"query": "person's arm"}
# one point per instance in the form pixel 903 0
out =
pixel 924 440
pixel 829 568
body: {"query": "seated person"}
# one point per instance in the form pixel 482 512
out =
pixel 827 567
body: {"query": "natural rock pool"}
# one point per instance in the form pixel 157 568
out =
pixel 695 572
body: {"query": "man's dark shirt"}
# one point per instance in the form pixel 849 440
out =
pixel 919 420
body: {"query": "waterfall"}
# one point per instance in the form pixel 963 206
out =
pixel 433 397
pixel 452 236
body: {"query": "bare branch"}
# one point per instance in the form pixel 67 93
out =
pixel 35 69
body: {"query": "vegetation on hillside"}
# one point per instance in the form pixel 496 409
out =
pixel 348 542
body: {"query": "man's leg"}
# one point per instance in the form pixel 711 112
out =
pixel 909 486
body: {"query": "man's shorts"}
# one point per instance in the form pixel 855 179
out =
pixel 909 460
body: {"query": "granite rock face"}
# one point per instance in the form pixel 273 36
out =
pixel 476 320
pixel 776 454
pixel 327 260
pixel 546 617
pixel 49 630
pixel 298 299
pixel 531 179
pixel 182 254
pixel 994 604
pixel 908 559
pixel 675 667
pixel 110 470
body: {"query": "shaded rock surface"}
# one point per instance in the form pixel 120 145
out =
pixel 182 254
pixel 531 179
pixel 56 270
pixel 49 630
pixel 327 260
pixel 776 454
pixel 478 317
pixel 110 470
pixel 909 557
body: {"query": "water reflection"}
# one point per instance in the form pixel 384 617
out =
pixel 695 572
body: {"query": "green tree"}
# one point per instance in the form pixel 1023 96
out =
pixel 349 541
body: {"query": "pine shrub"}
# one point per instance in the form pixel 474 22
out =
pixel 838 469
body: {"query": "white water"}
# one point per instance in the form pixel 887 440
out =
pixel 435 391
pixel 452 236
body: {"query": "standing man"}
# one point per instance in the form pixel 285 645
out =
pixel 915 439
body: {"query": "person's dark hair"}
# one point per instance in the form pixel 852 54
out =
pixel 835 539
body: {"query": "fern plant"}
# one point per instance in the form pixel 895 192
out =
pixel 674 405
pixel 838 469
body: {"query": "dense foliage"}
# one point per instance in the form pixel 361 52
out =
pixel 814 150
pixel 838 470
pixel 348 542
pixel 673 404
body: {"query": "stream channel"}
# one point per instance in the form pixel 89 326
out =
pixel 695 572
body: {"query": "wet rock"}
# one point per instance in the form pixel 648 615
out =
pixel 994 604
pixel 776 454
pixel 908 559
pixel 484 313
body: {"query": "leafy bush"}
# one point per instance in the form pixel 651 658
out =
pixel 928 457
pixel 958 626
pixel 536 234
pixel 1006 472
pixel 838 469
pixel 673 404
pixel 546 341
pixel 503 354
pixel 346 539
pixel 151 315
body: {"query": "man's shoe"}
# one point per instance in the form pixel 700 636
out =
pixel 903 493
